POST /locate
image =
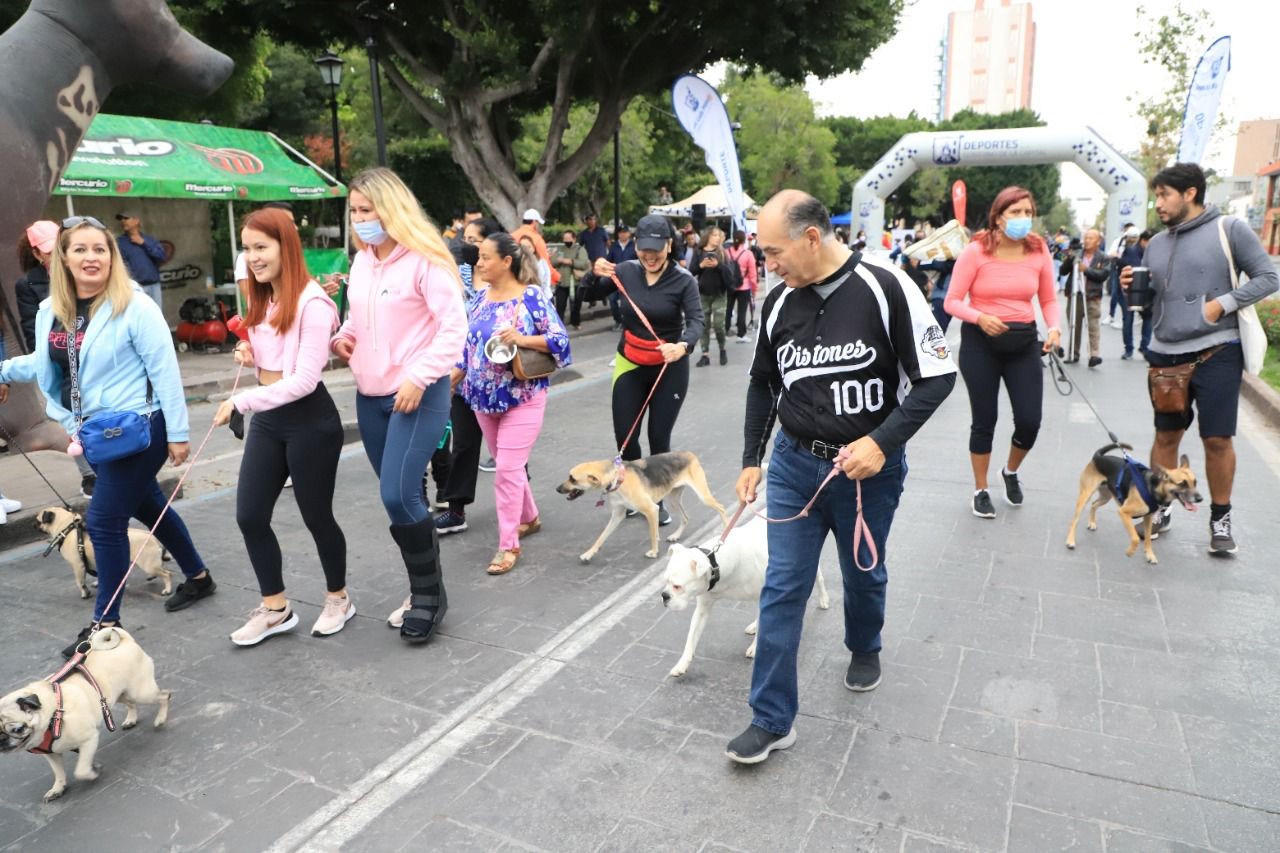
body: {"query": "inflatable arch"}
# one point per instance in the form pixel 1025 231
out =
pixel 1124 183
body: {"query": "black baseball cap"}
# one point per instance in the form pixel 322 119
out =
pixel 652 232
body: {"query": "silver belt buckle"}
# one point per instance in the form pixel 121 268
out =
pixel 820 449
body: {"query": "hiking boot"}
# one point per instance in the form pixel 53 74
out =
pixel 450 522
pixel 724 358
pixel 1012 488
pixel 755 744
pixel 264 622
pixel 189 592
pixel 1221 541
pixel 704 361
pixel 982 506
pixel 338 610
pixel 863 673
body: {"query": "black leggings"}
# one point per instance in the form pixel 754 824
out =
pixel 738 299
pixel 630 388
pixel 301 439
pixel 464 461
pixel 983 368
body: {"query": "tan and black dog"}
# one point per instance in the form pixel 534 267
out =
pixel 1105 471
pixel 639 486
pixel 77 550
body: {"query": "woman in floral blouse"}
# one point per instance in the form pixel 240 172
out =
pixel 509 410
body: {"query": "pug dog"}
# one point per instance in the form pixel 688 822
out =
pixel 124 672
pixel 53 520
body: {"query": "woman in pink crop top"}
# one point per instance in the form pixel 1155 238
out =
pixel 295 429
pixel 1001 273
pixel 402 338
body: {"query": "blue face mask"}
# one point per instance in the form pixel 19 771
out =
pixel 1017 229
pixel 372 233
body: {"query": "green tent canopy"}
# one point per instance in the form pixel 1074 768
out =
pixel 125 156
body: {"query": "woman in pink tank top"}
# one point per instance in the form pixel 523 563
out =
pixel 1002 273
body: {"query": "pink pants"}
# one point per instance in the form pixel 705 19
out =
pixel 510 437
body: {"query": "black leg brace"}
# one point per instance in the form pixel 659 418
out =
pixel 420 547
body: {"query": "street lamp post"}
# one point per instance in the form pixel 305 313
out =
pixel 331 72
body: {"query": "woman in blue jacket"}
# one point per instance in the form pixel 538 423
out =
pixel 125 363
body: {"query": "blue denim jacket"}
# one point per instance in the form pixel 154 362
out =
pixel 117 357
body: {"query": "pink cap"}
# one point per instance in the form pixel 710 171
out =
pixel 42 235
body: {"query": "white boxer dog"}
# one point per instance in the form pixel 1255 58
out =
pixel 735 571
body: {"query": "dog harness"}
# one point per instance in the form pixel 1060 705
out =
pixel 54 731
pixel 1134 474
pixel 77 525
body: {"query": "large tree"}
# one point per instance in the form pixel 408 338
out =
pixel 780 143
pixel 474 69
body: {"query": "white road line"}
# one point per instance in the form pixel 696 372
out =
pixel 344 817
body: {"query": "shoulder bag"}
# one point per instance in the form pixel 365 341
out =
pixel 108 436
pixel 1253 338
pixel 530 363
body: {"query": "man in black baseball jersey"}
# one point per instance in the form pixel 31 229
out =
pixel 852 362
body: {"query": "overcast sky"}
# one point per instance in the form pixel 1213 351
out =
pixel 1085 64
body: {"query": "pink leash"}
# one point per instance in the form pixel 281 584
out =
pixel 861 531
pixel 151 533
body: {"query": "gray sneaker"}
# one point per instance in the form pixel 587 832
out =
pixel 1012 488
pixel 1221 541
pixel 755 744
pixel 982 506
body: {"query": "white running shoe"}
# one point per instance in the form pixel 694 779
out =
pixel 338 611
pixel 9 505
pixel 264 622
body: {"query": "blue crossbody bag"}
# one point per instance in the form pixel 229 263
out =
pixel 108 436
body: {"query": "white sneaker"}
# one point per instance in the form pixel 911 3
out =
pixel 396 619
pixel 264 622
pixel 338 610
pixel 9 505
pixel 4 516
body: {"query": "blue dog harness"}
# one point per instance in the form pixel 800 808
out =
pixel 1134 474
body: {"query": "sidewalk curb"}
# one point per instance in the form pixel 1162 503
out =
pixel 1264 398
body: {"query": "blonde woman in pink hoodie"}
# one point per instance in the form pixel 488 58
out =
pixel 405 331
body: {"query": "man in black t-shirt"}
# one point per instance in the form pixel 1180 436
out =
pixel 852 362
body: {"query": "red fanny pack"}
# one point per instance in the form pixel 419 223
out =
pixel 640 350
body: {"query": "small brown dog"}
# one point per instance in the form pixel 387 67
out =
pixel 639 486
pixel 1112 477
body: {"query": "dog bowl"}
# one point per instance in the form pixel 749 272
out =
pixel 498 352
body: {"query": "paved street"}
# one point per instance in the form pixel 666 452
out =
pixel 1034 699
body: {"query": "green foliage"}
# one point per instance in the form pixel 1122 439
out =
pixel 1061 215
pixel 1269 314
pixel 1173 43
pixel 781 144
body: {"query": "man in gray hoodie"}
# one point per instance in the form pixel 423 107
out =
pixel 1195 317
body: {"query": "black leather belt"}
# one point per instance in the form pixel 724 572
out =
pixel 818 448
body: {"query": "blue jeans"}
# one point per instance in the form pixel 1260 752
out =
pixel 1128 330
pixel 794 549
pixel 126 489
pixel 1117 294
pixel 399 446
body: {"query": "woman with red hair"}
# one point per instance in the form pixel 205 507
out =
pixel 1002 272
pixel 295 428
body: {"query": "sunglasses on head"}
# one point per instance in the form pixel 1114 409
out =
pixel 76 221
